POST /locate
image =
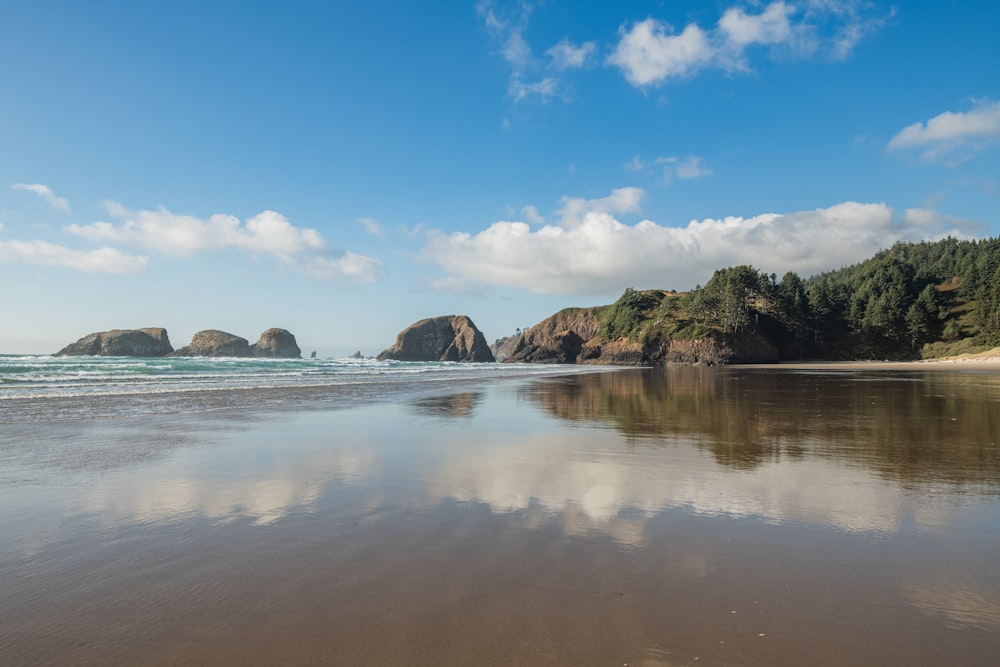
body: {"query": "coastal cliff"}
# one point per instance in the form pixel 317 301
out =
pixel 587 336
pixel 445 338
pixel 147 342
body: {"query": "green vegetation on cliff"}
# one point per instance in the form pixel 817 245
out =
pixel 912 300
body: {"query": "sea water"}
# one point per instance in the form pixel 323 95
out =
pixel 51 388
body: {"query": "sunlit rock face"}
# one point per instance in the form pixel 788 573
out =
pixel 445 338
pixel 277 343
pixel 572 336
pixel 148 342
pixel 215 343
pixel 558 339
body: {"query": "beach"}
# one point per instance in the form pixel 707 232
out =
pixel 808 514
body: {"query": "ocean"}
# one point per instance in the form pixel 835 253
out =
pixel 38 388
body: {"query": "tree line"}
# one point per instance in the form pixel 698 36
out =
pixel 888 306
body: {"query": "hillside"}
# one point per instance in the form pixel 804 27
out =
pixel 911 301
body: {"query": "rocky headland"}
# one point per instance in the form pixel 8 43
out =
pixel 445 338
pixel 574 336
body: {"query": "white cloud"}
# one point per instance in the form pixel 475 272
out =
pixel 268 233
pixel 591 252
pixel 45 192
pixel 651 52
pixel 621 200
pixel 544 89
pixel 772 26
pixel 373 227
pixel 952 136
pixel 530 77
pixel 42 253
pixel 516 50
pixel 345 265
pixel 691 167
pixel 635 164
pixel 566 55
pixel 532 215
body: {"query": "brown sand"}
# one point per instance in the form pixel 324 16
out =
pixel 982 361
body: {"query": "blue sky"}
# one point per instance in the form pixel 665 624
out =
pixel 342 169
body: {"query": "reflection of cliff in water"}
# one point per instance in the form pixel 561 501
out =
pixel 915 427
pixel 451 405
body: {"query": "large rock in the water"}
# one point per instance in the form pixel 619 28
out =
pixel 446 338
pixel 148 342
pixel 277 343
pixel 215 343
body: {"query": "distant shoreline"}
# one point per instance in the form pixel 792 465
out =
pixel 987 361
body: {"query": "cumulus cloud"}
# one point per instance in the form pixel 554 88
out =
pixel 648 52
pixel 651 51
pixel 268 233
pixel 592 252
pixel 45 192
pixel 952 136
pixel 621 200
pixel 772 26
pixel 43 253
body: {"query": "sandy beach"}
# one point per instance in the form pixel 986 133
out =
pixel 637 517
pixel 983 361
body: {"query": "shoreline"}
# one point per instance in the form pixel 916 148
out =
pixel 982 361
pixel 973 363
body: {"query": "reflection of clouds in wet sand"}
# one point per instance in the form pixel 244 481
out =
pixel 597 489
pixel 263 490
pixel 961 607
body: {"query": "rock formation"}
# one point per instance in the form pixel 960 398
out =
pixel 277 343
pixel 148 342
pixel 558 339
pixel 215 343
pixel 571 336
pixel 446 338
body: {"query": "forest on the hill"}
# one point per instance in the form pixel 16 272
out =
pixel 912 300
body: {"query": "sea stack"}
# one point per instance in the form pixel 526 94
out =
pixel 215 343
pixel 445 338
pixel 148 342
pixel 277 343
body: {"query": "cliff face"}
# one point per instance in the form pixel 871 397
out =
pixel 445 338
pixel 571 337
pixel 148 342
pixel 276 343
pixel 215 343
pixel 555 340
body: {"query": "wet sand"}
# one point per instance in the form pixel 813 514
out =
pixel 552 522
